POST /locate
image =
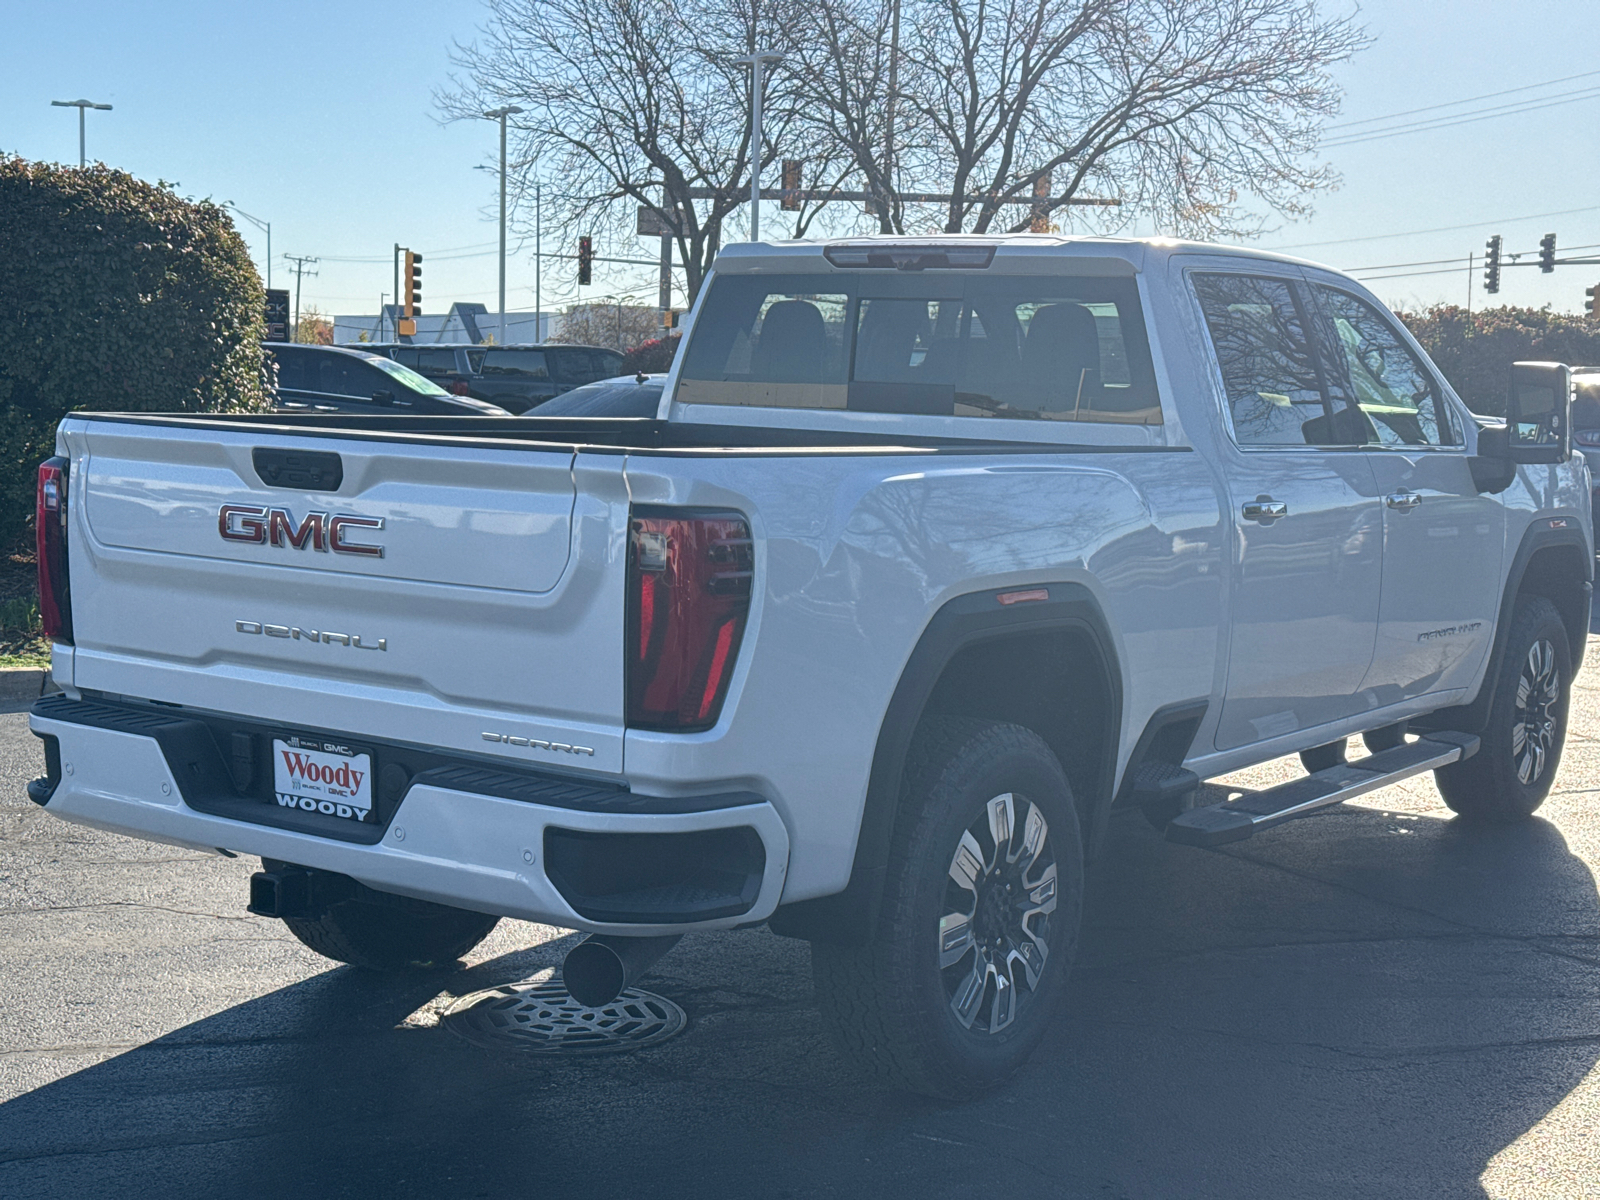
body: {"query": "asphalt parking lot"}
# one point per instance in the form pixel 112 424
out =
pixel 1372 1002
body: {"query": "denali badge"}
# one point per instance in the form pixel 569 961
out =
pixel 261 526
pixel 295 632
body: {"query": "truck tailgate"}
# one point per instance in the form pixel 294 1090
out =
pixel 467 591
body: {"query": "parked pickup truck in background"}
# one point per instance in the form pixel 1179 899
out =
pixel 938 552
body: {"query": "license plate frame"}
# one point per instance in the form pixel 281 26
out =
pixel 345 795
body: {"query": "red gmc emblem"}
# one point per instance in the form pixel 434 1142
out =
pixel 263 526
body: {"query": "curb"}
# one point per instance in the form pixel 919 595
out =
pixel 22 683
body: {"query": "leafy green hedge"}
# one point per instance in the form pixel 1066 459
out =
pixel 114 294
pixel 1476 352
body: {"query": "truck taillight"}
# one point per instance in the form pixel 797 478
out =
pixel 689 576
pixel 50 522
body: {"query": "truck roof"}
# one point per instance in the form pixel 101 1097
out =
pixel 1138 253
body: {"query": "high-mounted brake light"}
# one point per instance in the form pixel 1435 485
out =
pixel 689 575
pixel 50 527
pixel 911 256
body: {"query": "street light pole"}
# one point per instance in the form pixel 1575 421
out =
pixel 500 114
pixel 259 224
pixel 80 105
pixel 755 62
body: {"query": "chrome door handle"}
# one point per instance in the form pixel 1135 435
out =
pixel 1404 501
pixel 1264 509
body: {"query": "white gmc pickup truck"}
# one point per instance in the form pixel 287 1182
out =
pixel 938 553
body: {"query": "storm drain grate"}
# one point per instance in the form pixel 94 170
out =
pixel 540 1018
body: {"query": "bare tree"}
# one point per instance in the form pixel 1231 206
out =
pixel 1186 110
pixel 1204 114
pixel 628 102
pixel 613 324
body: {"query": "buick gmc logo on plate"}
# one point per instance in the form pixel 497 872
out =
pixel 322 777
pixel 258 526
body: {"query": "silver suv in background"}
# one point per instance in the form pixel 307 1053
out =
pixel 516 378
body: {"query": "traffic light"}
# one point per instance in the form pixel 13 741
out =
pixel 413 285
pixel 1592 304
pixel 1547 253
pixel 791 185
pixel 585 261
pixel 1491 266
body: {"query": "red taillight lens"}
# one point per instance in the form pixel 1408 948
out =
pixel 688 595
pixel 50 527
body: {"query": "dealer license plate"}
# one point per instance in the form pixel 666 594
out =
pixel 322 777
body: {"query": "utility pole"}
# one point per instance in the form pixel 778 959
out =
pixel 383 298
pixel 1471 259
pixel 756 61
pixel 500 114
pixel 299 262
pixel 80 105
pixel 259 224
pixel 894 94
pixel 538 296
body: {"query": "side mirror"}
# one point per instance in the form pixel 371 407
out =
pixel 383 398
pixel 1539 413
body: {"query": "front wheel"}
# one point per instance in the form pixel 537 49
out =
pixel 979 923
pixel 1511 774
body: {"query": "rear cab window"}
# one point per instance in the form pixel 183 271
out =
pixel 983 345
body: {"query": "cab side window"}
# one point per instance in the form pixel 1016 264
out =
pixel 1371 364
pixel 435 363
pixel 1274 389
pixel 291 370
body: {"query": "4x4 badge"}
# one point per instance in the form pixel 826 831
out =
pixel 274 526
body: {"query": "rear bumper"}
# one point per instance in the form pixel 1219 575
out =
pixel 634 865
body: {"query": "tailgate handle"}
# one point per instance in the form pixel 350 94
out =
pixel 304 470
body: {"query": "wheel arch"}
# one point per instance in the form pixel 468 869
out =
pixel 1048 665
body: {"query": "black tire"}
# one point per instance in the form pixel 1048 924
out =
pixel 1516 763
pixel 393 933
pixel 891 1008
pixel 1386 737
pixel 1320 758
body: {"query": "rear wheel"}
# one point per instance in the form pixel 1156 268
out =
pixel 979 923
pixel 1512 772
pixel 392 933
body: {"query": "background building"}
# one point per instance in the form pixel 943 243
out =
pixel 465 322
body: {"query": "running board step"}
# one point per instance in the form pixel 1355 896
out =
pixel 1218 824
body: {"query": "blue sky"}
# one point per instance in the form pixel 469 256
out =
pixel 320 118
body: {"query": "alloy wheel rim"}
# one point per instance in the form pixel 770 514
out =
pixel 1533 728
pixel 994 936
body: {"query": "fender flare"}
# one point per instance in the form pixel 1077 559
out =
pixel 848 917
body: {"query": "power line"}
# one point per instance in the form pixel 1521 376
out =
pixel 1379 237
pixel 1529 87
pixel 1505 110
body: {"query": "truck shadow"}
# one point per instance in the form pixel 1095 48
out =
pixel 1365 1003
